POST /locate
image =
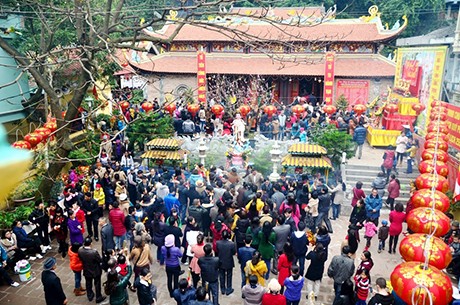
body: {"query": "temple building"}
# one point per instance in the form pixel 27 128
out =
pixel 263 54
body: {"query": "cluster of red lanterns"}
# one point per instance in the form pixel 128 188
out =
pixel 391 108
pixel 193 109
pixel 359 109
pixel 420 280
pixel 270 110
pixel 170 108
pixel 418 108
pixel 329 109
pixel 39 135
pixel 244 110
pixel 217 109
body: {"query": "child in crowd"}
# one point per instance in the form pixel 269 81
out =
pixel 370 230
pixel 383 235
pixel 293 285
pixel 362 286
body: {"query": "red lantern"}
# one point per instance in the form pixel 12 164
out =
pixel 270 110
pixel 440 127
pixel 21 145
pixel 441 155
pixel 413 247
pixel 437 136
pixel 439 109
pixel 359 109
pixel 329 109
pixel 438 116
pixel 298 109
pixel 44 132
pixel 244 110
pixel 424 198
pixel 51 125
pixel 147 106
pixel 217 109
pixel 170 108
pixel 418 108
pixel 193 109
pixel 427 181
pixel 427 167
pixel 432 144
pixel 63 113
pixel 124 105
pixel 437 103
pixel 407 276
pixel 427 221
pixel 33 138
pixel 391 108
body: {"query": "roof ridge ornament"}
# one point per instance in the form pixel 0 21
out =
pixel 373 13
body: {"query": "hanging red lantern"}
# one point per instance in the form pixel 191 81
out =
pixel 432 144
pixel 414 246
pixel 147 106
pixel 427 221
pixel 424 198
pixel 270 110
pixel 124 105
pixel 298 110
pixel 427 181
pixel 193 109
pixel 391 108
pixel 170 107
pixel 33 138
pixel 44 132
pixel 51 126
pixel 217 109
pixel 418 108
pixel 407 278
pixel 427 167
pixel 21 145
pixel 439 109
pixel 441 155
pixel 51 119
pixel 329 109
pixel 359 109
pixel 437 103
pixel 438 116
pixel 437 136
pixel 244 110
pixel 439 127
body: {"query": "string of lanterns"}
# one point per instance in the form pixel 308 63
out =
pixel 419 280
pixel 39 135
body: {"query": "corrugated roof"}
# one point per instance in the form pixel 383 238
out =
pixel 311 162
pixel 308 149
pixel 163 155
pixel 166 144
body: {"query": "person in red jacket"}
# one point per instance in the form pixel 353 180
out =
pixel 117 219
pixel 397 217
pixel 393 191
pixel 79 215
pixel 273 296
pixel 76 266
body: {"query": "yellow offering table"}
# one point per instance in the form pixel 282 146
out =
pixel 405 103
pixel 381 137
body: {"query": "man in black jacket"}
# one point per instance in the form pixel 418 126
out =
pixel 324 205
pixel 40 218
pixel 209 265
pixel 91 208
pixel 92 270
pixel 54 294
pixel 107 241
pixel 226 249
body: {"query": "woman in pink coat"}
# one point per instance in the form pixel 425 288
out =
pixel 397 217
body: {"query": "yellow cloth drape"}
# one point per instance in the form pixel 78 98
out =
pixel 380 137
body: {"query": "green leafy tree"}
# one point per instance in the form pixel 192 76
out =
pixel 149 126
pixel 341 103
pixel 336 142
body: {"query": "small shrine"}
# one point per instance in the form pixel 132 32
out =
pixel 307 156
pixel 164 149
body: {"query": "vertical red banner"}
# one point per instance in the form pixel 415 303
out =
pixel 329 78
pixel 201 77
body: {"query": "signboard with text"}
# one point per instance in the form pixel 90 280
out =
pixel 201 77
pixel 329 78
pixel 453 121
pixel 355 91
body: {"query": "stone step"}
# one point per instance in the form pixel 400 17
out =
pixel 368 179
pixel 371 172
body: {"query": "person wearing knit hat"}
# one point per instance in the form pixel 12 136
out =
pixel 273 296
pixel 54 294
pixel 172 257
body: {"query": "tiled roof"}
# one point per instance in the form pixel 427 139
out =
pixel 346 65
pixel 311 162
pixel 338 30
pixel 166 144
pixel 163 155
pixel 307 149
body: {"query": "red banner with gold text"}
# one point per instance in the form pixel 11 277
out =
pixel 329 78
pixel 453 121
pixel 201 77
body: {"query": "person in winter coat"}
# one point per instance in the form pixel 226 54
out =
pixel 117 219
pixel 359 137
pixel 299 243
pixel 197 251
pixel 315 270
pixel 217 227
pixel 245 255
pixel 200 296
pixel 362 282
pixel 116 286
pixel 59 225
pixel 75 228
pixel 358 193
pixel 267 238
pixel 393 191
pixel 184 294
pixel 370 230
pixel 209 265
pixel 273 296
pixel 107 241
pixel 293 285
pixel 77 267
pixel 379 183
pixel 172 254
pixel 388 158
pixel 282 231
pixel 382 234
pixel 54 294
pixel 347 294
pixel 143 285
pixel 382 297
pixel 324 206
pixel 40 218
pixel 285 263
pixel 358 214
pixel 397 217
pixel 225 251
pixel 252 292
pixel 341 268
pixel 339 195
pixel 373 204
pixel 366 263
pixel 256 266
pixel 323 238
